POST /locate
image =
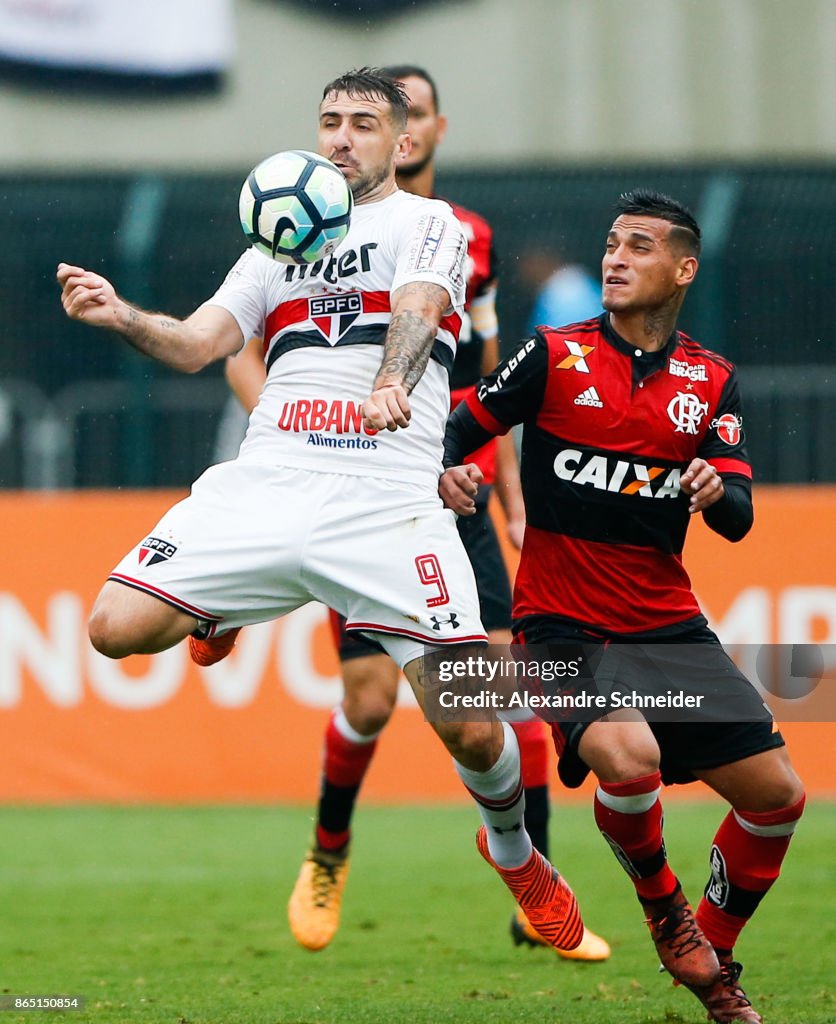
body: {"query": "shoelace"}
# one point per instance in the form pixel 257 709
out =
pixel 678 930
pixel 324 882
pixel 729 976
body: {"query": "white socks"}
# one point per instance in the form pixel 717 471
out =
pixel 499 795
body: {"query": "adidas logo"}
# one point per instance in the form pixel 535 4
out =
pixel 589 397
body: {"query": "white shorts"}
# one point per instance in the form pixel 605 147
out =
pixel 252 542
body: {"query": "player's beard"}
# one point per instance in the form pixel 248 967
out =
pixel 368 181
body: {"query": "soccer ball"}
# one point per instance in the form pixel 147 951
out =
pixel 295 207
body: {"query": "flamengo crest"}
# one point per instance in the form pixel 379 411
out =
pixel 686 412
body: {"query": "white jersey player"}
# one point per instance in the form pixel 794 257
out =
pixel 319 506
pixel 324 327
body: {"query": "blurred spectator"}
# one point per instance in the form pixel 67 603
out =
pixel 565 292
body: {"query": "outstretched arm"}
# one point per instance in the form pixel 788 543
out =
pixel 417 309
pixel 188 345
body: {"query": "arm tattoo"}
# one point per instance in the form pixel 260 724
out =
pixel 407 350
pixel 152 335
pixel 410 337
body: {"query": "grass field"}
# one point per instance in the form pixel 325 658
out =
pixel 177 915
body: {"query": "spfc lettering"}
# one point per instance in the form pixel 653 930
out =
pixel 155 549
pixel 334 314
pixel 617 476
pixel 329 305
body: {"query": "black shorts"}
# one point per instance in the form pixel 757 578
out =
pixel 481 543
pixel 685 746
pixel 479 537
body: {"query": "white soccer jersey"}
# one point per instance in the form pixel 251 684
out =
pixel 324 328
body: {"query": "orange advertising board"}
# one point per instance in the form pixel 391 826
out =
pixel 75 726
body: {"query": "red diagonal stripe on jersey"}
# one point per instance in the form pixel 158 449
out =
pixel 378 302
pixel 296 311
pixel 483 417
pixel 287 313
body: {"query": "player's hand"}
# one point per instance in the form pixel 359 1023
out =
pixel 87 296
pixel 458 488
pixel 387 408
pixel 703 483
pixel 515 529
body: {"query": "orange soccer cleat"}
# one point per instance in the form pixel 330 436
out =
pixel 314 908
pixel 215 648
pixel 547 901
pixel 592 948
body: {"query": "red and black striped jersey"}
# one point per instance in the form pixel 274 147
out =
pixel 608 429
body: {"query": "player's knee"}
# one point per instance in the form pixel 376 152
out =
pixel 369 693
pixel 476 745
pixel 367 713
pixel 783 788
pixel 618 754
pixel 106 634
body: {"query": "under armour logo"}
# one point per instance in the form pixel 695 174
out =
pixel 452 621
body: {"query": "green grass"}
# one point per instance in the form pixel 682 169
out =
pixel 177 915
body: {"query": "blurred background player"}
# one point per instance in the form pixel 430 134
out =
pixel 601 567
pixel 370 677
pixel 564 291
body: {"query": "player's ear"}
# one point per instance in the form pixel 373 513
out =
pixel 441 122
pixel 403 147
pixel 688 267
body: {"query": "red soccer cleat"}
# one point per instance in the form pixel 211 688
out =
pixel 215 648
pixel 725 1000
pixel 548 902
pixel 683 949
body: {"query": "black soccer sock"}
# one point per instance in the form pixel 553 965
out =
pixel 537 817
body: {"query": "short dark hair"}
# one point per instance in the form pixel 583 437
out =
pixel 372 83
pixel 647 203
pixel 399 72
